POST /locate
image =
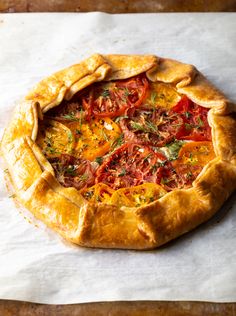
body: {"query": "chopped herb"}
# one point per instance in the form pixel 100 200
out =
pixel 99 160
pixel 189 126
pixel 154 167
pixel 71 116
pixel 165 180
pixel 138 126
pixel 89 194
pixel 162 96
pixel 153 98
pixel 152 127
pixel 70 137
pixel 149 127
pixel 83 177
pixel 71 170
pixel 85 146
pixel 118 142
pixel 176 125
pixel 162 163
pixel 80 120
pixel 104 135
pixel 152 199
pixel 127 92
pixel 189 175
pixel 148 156
pixel 48 141
pixel 51 150
pixel 105 93
pixel 187 114
pixel 78 132
pixel 174 148
pixel 123 173
pixel 193 160
pixel 200 122
pixel 6 170
pixel 120 118
pixel 98 199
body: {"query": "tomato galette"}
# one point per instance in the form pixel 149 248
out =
pixel 123 151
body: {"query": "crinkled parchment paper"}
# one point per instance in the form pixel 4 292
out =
pixel 35 263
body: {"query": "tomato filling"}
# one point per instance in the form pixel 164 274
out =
pixel 118 135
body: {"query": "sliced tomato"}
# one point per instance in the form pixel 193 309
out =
pixel 193 156
pixel 196 153
pixel 163 95
pixel 98 193
pixel 169 178
pixel 137 196
pixel 55 138
pixel 196 126
pixel 130 165
pixel 113 98
pixel 152 127
pixel 94 138
pixel 73 172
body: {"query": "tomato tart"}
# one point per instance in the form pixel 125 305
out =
pixel 123 151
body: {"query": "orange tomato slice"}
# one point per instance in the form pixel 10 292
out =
pixel 137 196
pixel 94 138
pixel 193 156
pixel 98 193
pixel 54 138
pixel 162 95
pixel 196 153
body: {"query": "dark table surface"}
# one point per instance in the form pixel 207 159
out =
pixel 14 308
pixel 117 6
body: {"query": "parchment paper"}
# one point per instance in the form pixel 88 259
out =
pixel 35 263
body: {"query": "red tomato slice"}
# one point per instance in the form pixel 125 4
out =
pixel 73 172
pixel 169 178
pixel 153 127
pixel 113 98
pixel 130 165
pixel 196 126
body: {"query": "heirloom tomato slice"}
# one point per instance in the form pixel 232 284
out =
pixel 130 165
pixel 137 196
pixel 111 99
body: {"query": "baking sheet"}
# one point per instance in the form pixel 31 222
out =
pixel 36 264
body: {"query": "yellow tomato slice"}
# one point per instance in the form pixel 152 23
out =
pixel 196 153
pixel 94 139
pixel 163 95
pixel 137 196
pixel 98 193
pixel 55 138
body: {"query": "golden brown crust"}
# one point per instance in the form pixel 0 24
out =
pixel 52 208
pixel 103 225
pixel 223 136
pixel 172 71
pixel 124 66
